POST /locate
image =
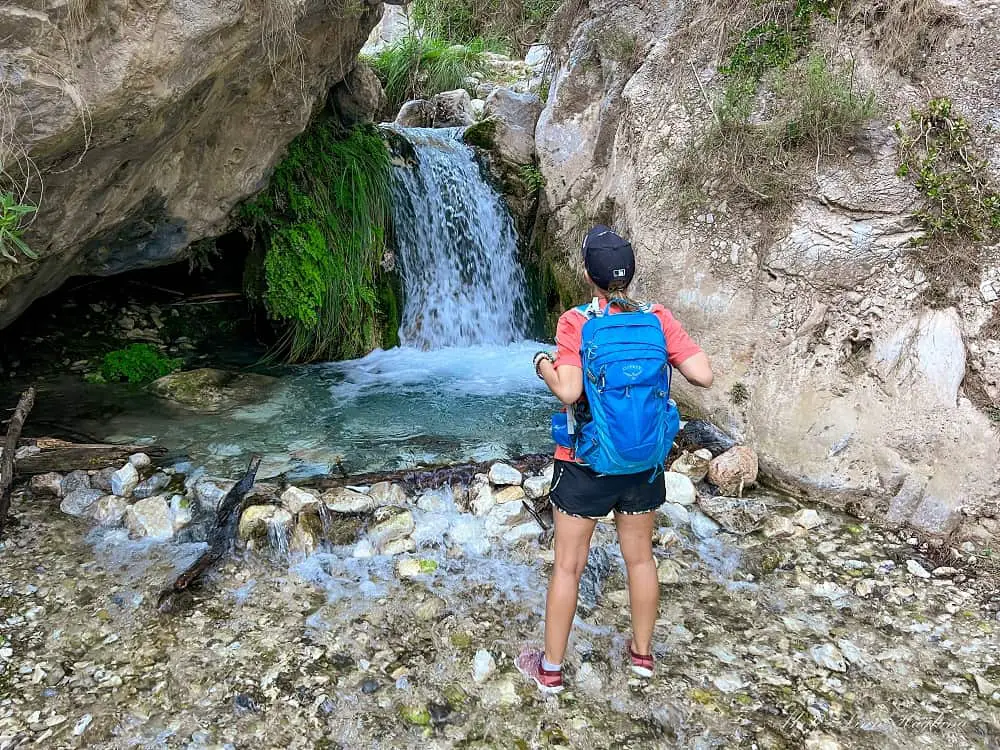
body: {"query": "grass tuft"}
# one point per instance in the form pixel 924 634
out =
pixel 320 234
pixel 508 27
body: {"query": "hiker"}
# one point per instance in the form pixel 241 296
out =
pixel 612 371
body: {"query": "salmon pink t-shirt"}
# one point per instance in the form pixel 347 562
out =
pixel 569 338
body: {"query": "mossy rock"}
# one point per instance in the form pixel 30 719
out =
pixel 208 391
pixel 481 134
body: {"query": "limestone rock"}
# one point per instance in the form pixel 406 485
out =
pixel 779 527
pixel 734 471
pixel 483 666
pixel 259 523
pixel 916 569
pixel 502 474
pixel 359 98
pixel 149 487
pixel 296 500
pixel 140 460
pixel 403 546
pixel 80 503
pixel 703 526
pixel 538 487
pixel 668 572
pixel 693 465
pixel 180 508
pixel 808 518
pixel 197 101
pixel 46 484
pixel 210 491
pixel 509 495
pixel 75 480
pixel 303 541
pixel 482 497
pixel 343 500
pixel 501 518
pixel 538 56
pixel 150 519
pixel 678 515
pixel 110 511
pixel 418 113
pixel 516 116
pixel 829 657
pixel 385 493
pixel 102 479
pixel 453 109
pixel 124 481
pixel 528 531
pixel 391 524
pixel 680 490
pixel 925 358
pixel 411 567
pixel 208 391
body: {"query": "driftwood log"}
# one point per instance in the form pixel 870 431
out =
pixel 220 539
pixel 60 455
pixel 7 460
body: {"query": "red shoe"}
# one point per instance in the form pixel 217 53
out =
pixel 529 663
pixel 642 664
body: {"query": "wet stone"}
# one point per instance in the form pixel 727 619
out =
pixel 124 481
pixel 80 502
pixel 343 500
pixel 508 495
pixel 807 518
pixel 703 526
pixel 779 527
pixel 110 510
pixel 693 465
pixel 679 488
pixel 391 524
pixel 368 687
pixel 150 519
pixel 102 479
pixel 678 515
pixel 151 486
pixel 47 484
pixel 829 657
pixel 916 569
pixel 385 493
pixel 140 460
pixel 537 487
pixel 210 491
pixel 296 500
pixel 75 480
pixel 502 474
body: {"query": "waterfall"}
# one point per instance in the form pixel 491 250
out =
pixel 457 248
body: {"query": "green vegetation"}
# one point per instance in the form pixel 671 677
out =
pixel 13 215
pixel 320 232
pixel 532 178
pixel 137 363
pixel 482 134
pixel 419 67
pixel 509 26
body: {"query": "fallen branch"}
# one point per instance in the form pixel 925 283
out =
pixel 24 406
pixel 60 455
pixel 220 538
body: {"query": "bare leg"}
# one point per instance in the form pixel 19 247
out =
pixel 572 543
pixel 635 537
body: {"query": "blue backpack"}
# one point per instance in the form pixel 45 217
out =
pixel 626 381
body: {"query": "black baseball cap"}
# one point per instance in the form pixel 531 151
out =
pixel 608 258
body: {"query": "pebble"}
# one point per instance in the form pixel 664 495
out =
pixel 81 725
pixel 864 587
pixel 944 572
pixel 483 666
pixel 917 569
pixel 779 527
pixel 807 518
pixel 140 460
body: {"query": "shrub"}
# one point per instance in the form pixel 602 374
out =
pixel 506 26
pixel 532 178
pixel 321 229
pixel 138 363
pixel 419 67
pixel 961 210
pixel 12 223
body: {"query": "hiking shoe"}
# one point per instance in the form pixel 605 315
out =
pixel 529 663
pixel 642 664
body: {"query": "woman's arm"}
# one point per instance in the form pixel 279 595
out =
pixel 697 370
pixel 565 381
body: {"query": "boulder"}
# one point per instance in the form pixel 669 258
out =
pixel 110 511
pixel 102 479
pixel 296 500
pixel 693 465
pixel 417 113
pixel 516 116
pixel 197 101
pixel 502 474
pixel 359 98
pixel 46 484
pixel 208 391
pixel 304 540
pixel 80 502
pixel 180 507
pixel 75 480
pixel 482 497
pixel 503 517
pixel 528 531
pixel 124 481
pixel 734 471
pixel 679 488
pixel 668 572
pixel 453 109
pixel 150 519
pixel 538 56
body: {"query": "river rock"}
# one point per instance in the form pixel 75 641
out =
pixel 303 541
pixel 677 514
pixel 110 511
pixel 829 657
pixel 140 460
pixel 80 502
pixel 208 391
pixel 679 488
pixel 734 471
pixel 210 491
pixel 668 572
pixel 539 486
pixel 391 524
pixel 820 741
pixel 75 480
pixel 343 500
pixel 500 693
pixel 403 546
pixel 124 481
pixel 538 56
pixel 509 495
pixel 102 479
pixel 483 666
pixel 693 465
pixel 46 484
pixel 261 523
pixel 417 113
pixel 502 474
pixel 412 567
pixel 435 501
pixel 180 508
pixel 703 526
pixel 453 109
pixel 150 519
pixel 296 500
pixel 149 487
pixel 482 497
pixel 501 518
pixel 916 569
pixel 516 116
pixel 384 493
pixel 468 534
pixel 522 532
pixel 808 518
pixel 779 527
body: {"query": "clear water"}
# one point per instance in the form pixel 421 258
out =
pixel 461 388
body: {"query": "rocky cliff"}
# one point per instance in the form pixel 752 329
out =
pixel 833 359
pixel 138 126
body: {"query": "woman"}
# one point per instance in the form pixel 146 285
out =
pixel 579 495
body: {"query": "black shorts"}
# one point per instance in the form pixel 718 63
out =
pixel 578 491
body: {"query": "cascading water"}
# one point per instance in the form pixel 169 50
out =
pixel 457 248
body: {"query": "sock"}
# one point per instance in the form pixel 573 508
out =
pixel 550 667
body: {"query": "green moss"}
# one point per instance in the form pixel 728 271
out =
pixel 416 715
pixel 138 363
pixel 320 230
pixel 482 134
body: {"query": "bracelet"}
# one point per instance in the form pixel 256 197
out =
pixel 538 360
